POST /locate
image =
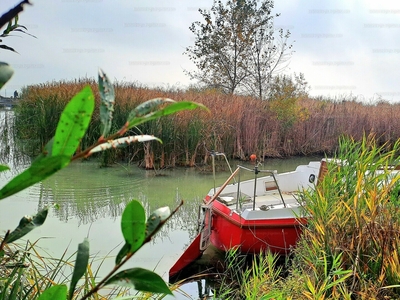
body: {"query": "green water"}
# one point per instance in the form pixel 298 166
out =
pixel 90 201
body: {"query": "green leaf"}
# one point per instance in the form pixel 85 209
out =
pixel 4 168
pixel 73 123
pixel 47 150
pixel 7 48
pixel 82 259
pixel 155 220
pixel 141 279
pixel 27 224
pixel 9 28
pixel 136 118
pixel 123 142
pixel 39 170
pixel 107 97
pixel 133 225
pixel 56 292
pixel 122 253
pixel 148 107
pixel 6 72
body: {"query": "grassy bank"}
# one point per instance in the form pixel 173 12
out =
pixel 236 125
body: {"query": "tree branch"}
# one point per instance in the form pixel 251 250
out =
pixel 12 13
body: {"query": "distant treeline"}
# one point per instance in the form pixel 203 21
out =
pixel 236 125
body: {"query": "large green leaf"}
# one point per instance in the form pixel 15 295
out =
pixel 40 169
pixel 141 280
pixel 107 97
pixel 81 263
pixel 123 142
pixel 136 118
pixel 27 224
pixel 153 224
pixel 73 123
pixel 56 292
pixel 133 225
pixel 5 73
pixel 4 168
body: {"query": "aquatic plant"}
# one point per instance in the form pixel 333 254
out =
pixel 237 125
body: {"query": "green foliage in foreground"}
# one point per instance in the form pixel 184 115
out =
pixel 57 154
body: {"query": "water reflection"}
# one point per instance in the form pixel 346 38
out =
pixel 10 152
pixel 87 193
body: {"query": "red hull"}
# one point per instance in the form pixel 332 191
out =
pixel 191 254
pixel 229 230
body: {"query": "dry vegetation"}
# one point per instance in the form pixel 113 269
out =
pixel 236 125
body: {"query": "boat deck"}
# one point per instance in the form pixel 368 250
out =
pixel 264 202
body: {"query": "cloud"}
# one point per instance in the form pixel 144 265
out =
pixel 346 46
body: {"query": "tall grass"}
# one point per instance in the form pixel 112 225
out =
pixel 264 274
pixel 237 125
pixel 355 226
pixel 350 247
pixel 241 276
pixel 26 271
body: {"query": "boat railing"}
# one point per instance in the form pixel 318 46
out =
pixel 256 171
pixel 213 155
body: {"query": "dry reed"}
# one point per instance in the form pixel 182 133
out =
pixel 236 125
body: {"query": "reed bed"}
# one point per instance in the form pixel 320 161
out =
pixel 236 125
pixel 350 249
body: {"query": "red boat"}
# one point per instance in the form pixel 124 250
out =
pixel 265 212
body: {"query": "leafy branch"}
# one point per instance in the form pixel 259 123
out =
pixel 62 149
pixel 159 217
pixel 9 17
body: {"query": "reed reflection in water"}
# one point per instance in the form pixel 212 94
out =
pixel 88 193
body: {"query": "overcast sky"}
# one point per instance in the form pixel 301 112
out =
pixel 342 47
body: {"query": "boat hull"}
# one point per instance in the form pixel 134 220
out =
pixel 230 230
pixel 191 254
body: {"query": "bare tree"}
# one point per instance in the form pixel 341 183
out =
pixel 235 49
pixel 268 56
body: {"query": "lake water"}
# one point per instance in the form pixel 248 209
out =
pixel 90 201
